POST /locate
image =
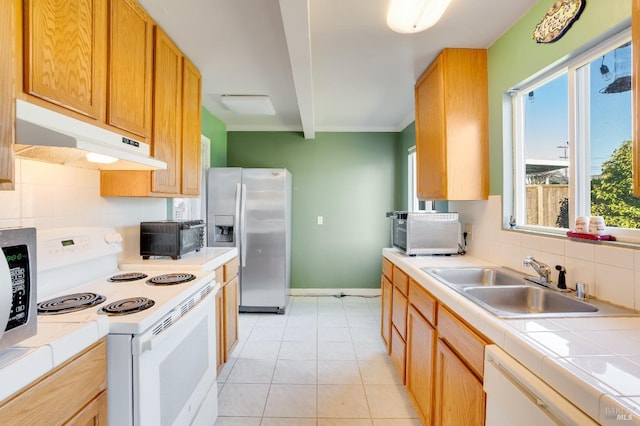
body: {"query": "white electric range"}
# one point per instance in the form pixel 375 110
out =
pixel 161 352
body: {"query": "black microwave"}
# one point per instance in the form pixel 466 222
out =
pixel 172 238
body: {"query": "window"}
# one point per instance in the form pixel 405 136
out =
pixel 414 204
pixel 572 151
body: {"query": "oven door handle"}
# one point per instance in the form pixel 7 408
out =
pixel 150 341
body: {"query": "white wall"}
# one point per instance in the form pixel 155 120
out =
pixel 50 195
pixel 613 273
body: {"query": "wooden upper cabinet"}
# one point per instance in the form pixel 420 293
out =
pixel 191 128
pixel 130 68
pixel 167 113
pixel 176 128
pixel 452 136
pixel 7 94
pixel 65 53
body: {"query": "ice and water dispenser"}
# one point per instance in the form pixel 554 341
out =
pixel 223 229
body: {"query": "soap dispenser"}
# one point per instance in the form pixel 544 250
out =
pixel 562 279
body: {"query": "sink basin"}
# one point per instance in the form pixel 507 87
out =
pixel 527 300
pixel 476 276
pixel 508 294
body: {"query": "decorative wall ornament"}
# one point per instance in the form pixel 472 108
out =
pixel 558 19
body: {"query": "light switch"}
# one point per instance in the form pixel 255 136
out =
pixel 320 220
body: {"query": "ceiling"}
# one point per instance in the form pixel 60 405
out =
pixel 327 65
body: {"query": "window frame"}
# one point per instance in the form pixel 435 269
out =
pixel 578 132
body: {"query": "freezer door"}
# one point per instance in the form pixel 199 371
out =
pixel 264 277
pixel 223 204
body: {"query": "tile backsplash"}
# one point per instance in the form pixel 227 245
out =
pixel 612 273
pixel 51 195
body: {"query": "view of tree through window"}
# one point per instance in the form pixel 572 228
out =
pixel 603 157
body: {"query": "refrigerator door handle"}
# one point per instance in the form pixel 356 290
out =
pixel 243 225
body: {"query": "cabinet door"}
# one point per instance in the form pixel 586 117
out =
pixel 130 67
pixel 398 353
pixel 7 93
pixel 166 138
pixel 65 53
pixel 421 340
pixel 459 397
pixel 231 315
pixel 94 413
pixel 220 352
pixel 191 129
pixel 387 291
pixel 431 156
pixel 399 314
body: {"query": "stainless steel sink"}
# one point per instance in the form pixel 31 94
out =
pixel 527 300
pixel 508 294
pixel 476 276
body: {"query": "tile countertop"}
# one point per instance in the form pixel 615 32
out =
pixel 54 344
pixel 594 362
pixel 207 259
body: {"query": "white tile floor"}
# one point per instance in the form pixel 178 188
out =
pixel 322 363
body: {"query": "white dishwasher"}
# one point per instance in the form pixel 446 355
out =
pixel 515 396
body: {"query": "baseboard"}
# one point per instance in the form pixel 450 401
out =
pixel 363 292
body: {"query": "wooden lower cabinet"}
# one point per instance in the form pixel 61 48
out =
pixel 438 355
pixel 227 301
pixel 231 315
pixel 387 291
pixel 220 352
pixel 421 339
pixel 459 397
pixel 75 393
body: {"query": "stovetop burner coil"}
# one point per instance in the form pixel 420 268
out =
pixel 171 279
pixel 69 303
pixel 128 276
pixel 127 306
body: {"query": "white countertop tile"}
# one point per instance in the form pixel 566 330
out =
pixel 619 342
pixel 619 411
pixel 565 344
pixel 207 259
pixel 620 374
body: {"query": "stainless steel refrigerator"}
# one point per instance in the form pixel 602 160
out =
pixel 251 210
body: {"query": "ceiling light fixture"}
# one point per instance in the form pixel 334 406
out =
pixel 413 16
pixel 248 104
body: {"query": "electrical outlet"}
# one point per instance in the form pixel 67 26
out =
pixel 320 220
pixel 468 228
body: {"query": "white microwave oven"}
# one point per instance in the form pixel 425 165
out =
pixel 18 314
pixel 426 233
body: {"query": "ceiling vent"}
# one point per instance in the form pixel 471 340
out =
pixel 248 104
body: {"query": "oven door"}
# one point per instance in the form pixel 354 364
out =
pixel 174 370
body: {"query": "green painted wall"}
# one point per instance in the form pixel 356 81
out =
pixel 349 179
pixel 515 57
pixel 216 131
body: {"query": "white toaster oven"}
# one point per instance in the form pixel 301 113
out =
pixel 425 233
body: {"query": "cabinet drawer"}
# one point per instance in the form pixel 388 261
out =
pixel 399 312
pixel 462 339
pixel 387 268
pixel 230 269
pixel 424 302
pixel 400 280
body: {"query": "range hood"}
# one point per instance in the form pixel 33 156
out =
pixel 45 135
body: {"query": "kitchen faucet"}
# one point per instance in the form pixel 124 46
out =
pixel 541 268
